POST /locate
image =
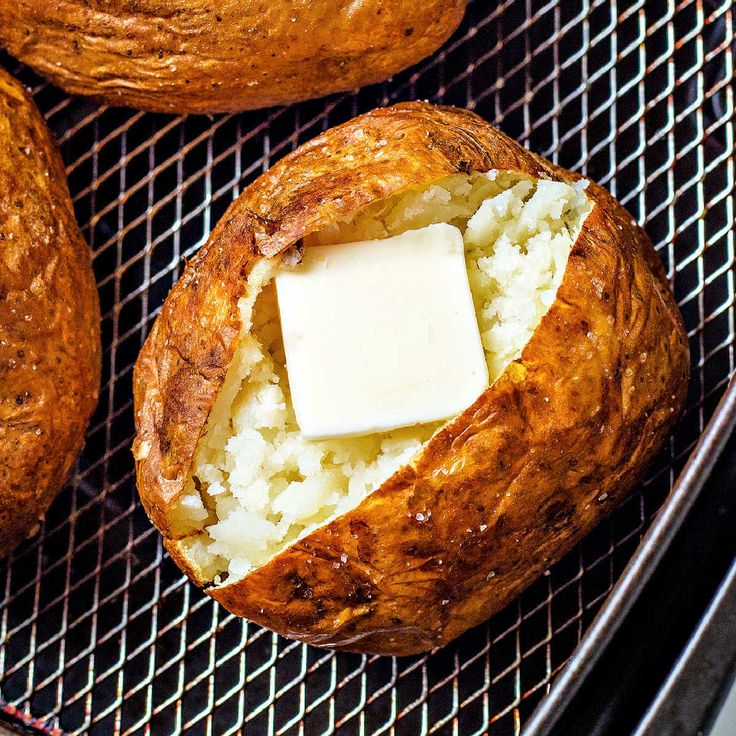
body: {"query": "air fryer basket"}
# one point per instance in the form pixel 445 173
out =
pixel 99 631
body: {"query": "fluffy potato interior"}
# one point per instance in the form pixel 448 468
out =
pixel 257 485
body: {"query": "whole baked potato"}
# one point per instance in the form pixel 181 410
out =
pixel 399 541
pixel 203 56
pixel 49 320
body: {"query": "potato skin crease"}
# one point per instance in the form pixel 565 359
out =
pixel 49 320
pixel 203 56
pixel 499 494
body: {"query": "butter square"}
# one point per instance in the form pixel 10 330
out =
pixel 381 334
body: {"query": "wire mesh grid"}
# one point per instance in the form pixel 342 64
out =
pixel 101 634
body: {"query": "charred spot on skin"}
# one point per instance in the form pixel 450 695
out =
pixel 22 398
pixel 269 225
pixel 366 539
pixel 214 357
pixel 419 549
pixel 360 596
pixel 408 32
pixel 452 151
pixel 471 545
pixel 558 513
pixel 580 251
pixel 358 528
pixel 300 588
pixel 165 444
pixel 501 526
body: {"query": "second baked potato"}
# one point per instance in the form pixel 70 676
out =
pixel 206 56
pixel 399 541
pixel 49 320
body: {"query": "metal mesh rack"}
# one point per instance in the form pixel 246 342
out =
pixel 99 631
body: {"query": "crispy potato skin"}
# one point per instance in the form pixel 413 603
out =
pixel 499 494
pixel 49 320
pixel 206 56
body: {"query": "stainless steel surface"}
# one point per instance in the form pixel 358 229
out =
pixel 688 690
pixel 700 690
pixel 100 633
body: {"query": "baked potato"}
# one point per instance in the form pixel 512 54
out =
pixel 396 543
pixel 49 320
pixel 201 56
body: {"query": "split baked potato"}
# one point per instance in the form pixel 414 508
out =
pixel 49 320
pixel 398 542
pixel 202 56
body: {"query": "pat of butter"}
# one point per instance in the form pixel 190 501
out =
pixel 381 334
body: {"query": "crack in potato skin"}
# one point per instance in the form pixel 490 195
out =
pixel 203 56
pixel 512 484
pixel 49 320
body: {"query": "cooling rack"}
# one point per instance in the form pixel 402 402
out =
pixel 99 631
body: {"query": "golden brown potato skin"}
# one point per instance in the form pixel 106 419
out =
pixel 207 56
pixel 49 320
pixel 507 488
